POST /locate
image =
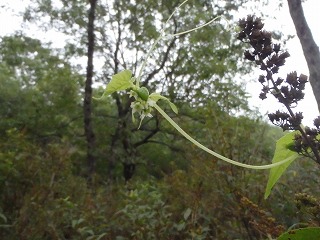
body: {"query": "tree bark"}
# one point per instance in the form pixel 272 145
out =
pixel 87 103
pixel 309 46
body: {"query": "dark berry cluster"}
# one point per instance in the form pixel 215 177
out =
pixel 270 57
pixel 285 120
pixel 302 145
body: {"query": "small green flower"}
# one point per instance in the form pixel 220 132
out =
pixel 142 107
pixel 137 106
pixel 133 94
pixel 151 103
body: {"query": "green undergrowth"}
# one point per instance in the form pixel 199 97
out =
pixel 43 197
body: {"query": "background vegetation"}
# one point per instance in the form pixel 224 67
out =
pixel 120 182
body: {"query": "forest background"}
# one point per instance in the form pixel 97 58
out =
pixel 129 183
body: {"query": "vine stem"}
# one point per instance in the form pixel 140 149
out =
pixel 199 145
pixel 196 28
pixel 163 35
pixel 146 59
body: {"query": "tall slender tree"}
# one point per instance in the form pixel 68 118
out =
pixel 87 103
pixel 309 46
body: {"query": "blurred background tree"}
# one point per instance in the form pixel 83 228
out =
pixel 148 183
pixel 40 92
pixel 192 68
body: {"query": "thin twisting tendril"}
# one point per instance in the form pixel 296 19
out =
pixel 163 35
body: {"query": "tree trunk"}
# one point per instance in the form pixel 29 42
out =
pixel 310 48
pixel 87 104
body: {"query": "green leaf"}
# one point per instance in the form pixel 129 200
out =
pixel 311 233
pixel 119 81
pixel 187 214
pixel 173 107
pixel 282 152
pixel 77 222
pixel 3 217
pixel 156 96
pixel 180 226
pixel 101 236
pixel 96 237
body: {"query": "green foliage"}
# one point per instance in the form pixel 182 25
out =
pixel 144 216
pixel 301 234
pixel 282 151
pixel 119 81
pixel 180 70
pixel 178 192
pixel 39 91
pixel 43 199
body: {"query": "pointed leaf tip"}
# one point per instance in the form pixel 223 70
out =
pixel 282 152
pixel 173 107
pixel 156 96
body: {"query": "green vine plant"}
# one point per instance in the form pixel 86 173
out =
pixel 301 141
pixel 144 103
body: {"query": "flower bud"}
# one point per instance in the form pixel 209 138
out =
pixel 143 93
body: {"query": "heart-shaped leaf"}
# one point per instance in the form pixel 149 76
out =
pixel 119 81
pixel 282 152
